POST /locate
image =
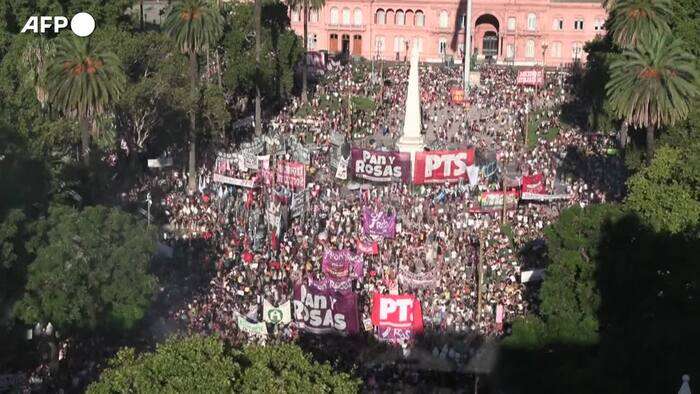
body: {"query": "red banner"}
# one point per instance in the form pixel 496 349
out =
pixel 397 311
pixel 533 184
pixel 530 78
pixel 457 96
pixel 442 166
pixel 292 174
pixel 371 248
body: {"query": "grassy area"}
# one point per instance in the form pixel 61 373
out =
pixel 507 230
pixel 325 105
pixel 363 103
pixel 532 137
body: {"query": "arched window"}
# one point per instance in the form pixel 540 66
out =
pixel 444 19
pixel 531 21
pixel 357 17
pixel 400 19
pixel 295 16
pixel 381 17
pixel 346 16
pixel 334 16
pixel 420 19
pixel 313 16
pixel 530 48
pixel 410 18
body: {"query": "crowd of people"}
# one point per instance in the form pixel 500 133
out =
pixel 471 255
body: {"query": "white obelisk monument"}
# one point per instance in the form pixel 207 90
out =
pixel 412 140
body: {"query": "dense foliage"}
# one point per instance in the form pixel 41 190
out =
pixel 199 364
pixel 91 270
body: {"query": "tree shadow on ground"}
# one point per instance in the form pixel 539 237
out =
pixel 604 172
pixel 649 284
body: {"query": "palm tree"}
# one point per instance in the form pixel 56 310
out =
pixel 36 58
pixel 306 5
pixel 632 20
pixel 83 80
pixel 653 85
pixel 195 27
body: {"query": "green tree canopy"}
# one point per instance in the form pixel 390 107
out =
pixel 91 270
pixel 190 365
pixel 287 369
pixel 201 364
pixel 653 85
pixel 569 297
pixel 666 194
pixel 632 21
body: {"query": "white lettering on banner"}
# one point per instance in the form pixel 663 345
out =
pixel 434 162
pixel 388 306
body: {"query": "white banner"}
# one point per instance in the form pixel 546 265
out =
pixel 473 174
pixel 160 163
pixel 532 275
pixel 277 314
pixel 251 328
pixel 249 183
pixel 544 197
pixel 342 171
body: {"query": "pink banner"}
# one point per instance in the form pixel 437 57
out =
pixel 530 78
pixel 378 223
pixel 342 265
pixel 292 174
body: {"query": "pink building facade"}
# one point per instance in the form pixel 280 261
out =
pixel 519 32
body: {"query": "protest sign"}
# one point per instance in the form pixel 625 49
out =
pixel 378 223
pixel 489 201
pixel 298 203
pixel 370 248
pixel 160 162
pixel 342 171
pixel 442 166
pixel 337 139
pixel 248 183
pixel 281 314
pixel 533 184
pixel 325 311
pixel 342 265
pixel 530 78
pixel 417 281
pixel 457 96
pixel 250 161
pixel 398 311
pixel 379 166
pixel 251 328
pixel 291 174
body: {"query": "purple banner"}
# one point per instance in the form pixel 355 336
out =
pixel 378 223
pixel 342 265
pixel 379 166
pixel 325 311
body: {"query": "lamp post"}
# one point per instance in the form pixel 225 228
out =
pixel 149 201
pixel 467 45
